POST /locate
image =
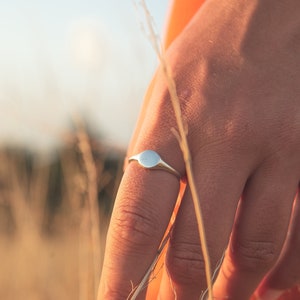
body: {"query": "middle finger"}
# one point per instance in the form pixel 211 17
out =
pixel 220 184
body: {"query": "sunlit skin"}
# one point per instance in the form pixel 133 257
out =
pixel 237 68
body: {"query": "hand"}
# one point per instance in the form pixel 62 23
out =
pixel 237 70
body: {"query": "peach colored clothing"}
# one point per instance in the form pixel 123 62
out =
pixel 181 13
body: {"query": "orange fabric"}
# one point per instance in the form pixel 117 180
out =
pixel 181 13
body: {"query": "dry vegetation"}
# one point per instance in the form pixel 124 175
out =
pixel 51 228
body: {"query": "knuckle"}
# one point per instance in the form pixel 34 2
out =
pixel 113 295
pixel 135 226
pixel 241 134
pixel 254 256
pixel 185 264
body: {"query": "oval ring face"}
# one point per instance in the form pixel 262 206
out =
pixel 149 159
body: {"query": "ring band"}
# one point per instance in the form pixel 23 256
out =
pixel 150 159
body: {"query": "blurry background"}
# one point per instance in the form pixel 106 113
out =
pixel 59 57
pixel 72 79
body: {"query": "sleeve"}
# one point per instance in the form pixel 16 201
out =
pixel 180 13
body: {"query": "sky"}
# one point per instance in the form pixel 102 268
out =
pixel 60 58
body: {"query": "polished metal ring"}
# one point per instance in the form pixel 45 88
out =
pixel 150 159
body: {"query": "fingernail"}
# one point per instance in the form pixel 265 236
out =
pixel 269 294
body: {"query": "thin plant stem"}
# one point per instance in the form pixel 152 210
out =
pixel 183 142
pixel 92 192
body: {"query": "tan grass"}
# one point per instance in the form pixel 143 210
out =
pixel 56 254
pixel 90 223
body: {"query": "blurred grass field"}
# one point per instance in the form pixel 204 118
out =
pixel 53 218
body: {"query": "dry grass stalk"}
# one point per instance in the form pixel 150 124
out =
pixel 181 135
pixel 28 215
pixel 90 223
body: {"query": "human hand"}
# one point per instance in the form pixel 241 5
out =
pixel 237 70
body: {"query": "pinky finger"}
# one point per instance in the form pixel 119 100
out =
pixel 286 273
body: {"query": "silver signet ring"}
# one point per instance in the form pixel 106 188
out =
pixel 150 159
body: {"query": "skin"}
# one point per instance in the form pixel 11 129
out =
pixel 237 70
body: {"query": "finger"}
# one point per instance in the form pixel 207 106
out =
pixel 220 184
pixel 142 209
pixel 259 232
pixel 286 272
pixel 144 202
